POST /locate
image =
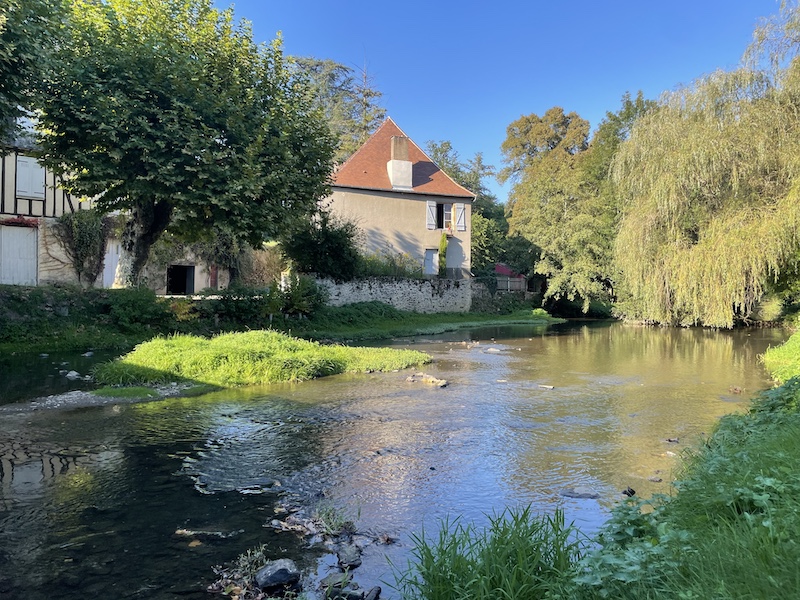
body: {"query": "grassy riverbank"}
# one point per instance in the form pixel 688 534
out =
pixel 49 319
pixel 250 358
pixel 730 530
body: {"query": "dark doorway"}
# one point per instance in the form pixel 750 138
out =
pixel 180 279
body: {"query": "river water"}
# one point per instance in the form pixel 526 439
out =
pixel 93 500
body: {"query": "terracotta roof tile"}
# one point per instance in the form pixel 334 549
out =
pixel 366 169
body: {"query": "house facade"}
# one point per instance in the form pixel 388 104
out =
pixel 30 203
pixel 403 203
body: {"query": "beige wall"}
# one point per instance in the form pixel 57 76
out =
pixel 396 222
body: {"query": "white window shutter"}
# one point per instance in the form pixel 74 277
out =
pixel 461 217
pixel 30 178
pixel 431 215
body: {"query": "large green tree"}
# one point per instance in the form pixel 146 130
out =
pixel 563 199
pixel 348 99
pixel 547 199
pixel 712 215
pixel 28 28
pixel 168 111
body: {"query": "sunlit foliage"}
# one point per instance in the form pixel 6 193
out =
pixel 711 199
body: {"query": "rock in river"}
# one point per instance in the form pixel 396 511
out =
pixel 278 573
pixel 580 491
pixel 349 556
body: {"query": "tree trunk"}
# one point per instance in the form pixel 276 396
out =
pixel 148 220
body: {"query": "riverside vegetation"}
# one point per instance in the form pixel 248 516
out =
pixel 729 531
pixel 44 319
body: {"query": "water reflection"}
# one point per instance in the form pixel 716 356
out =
pixel 91 499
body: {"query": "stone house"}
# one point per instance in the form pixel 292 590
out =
pixel 403 203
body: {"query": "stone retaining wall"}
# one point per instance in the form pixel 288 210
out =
pixel 424 296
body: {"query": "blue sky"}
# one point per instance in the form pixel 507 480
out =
pixel 463 71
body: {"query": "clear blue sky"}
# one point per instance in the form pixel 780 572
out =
pixel 463 71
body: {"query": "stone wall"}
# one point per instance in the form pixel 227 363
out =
pixel 55 266
pixel 424 296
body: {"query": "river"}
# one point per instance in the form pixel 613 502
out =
pixel 93 500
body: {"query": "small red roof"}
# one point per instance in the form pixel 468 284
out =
pixel 504 269
pixel 366 169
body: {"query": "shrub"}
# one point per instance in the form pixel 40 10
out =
pixel 238 307
pixel 389 264
pixel 83 235
pixel 134 309
pixel 326 247
pixel 303 297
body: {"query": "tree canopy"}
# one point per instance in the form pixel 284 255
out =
pixel 347 98
pixel 563 200
pixel 712 201
pixel 27 30
pixel 168 111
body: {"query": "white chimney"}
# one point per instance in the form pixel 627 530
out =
pixel 399 167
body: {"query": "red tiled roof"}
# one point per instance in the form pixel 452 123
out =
pixel 366 169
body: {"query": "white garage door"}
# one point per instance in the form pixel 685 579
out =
pixel 18 255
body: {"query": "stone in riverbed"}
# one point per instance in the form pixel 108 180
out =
pixel 278 573
pixel 349 556
pixel 374 593
pixel 581 492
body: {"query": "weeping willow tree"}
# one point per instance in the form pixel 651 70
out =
pixel 711 191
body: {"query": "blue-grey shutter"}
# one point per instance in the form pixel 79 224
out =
pixel 431 220
pixel 461 217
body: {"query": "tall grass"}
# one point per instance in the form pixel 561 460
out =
pixel 519 555
pixel 250 358
pixel 731 531
pixel 783 362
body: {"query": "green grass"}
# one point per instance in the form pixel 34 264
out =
pixel 125 392
pixel 783 362
pixel 519 555
pixel 732 529
pixel 250 358
pixel 376 320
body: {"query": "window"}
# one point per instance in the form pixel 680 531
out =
pixel 30 178
pixel 446 216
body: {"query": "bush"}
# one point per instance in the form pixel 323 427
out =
pixel 134 309
pixel 326 247
pixel 82 234
pixel 237 307
pixel 303 297
pixel 389 264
